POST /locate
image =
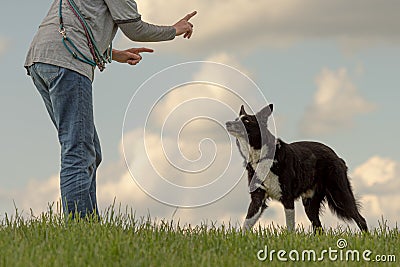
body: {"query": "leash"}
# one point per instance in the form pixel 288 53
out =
pixel 99 60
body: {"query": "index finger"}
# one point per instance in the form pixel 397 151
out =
pixel 144 49
pixel 190 15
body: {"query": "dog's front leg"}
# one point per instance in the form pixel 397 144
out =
pixel 289 214
pixel 256 208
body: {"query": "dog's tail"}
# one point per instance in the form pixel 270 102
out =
pixel 340 197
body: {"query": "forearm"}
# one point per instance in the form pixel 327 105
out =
pixel 141 31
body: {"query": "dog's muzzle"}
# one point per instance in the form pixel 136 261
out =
pixel 229 126
pixel 235 127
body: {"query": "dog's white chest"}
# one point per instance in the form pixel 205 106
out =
pixel 270 181
pixel 266 179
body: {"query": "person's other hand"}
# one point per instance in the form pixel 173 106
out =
pixel 131 56
pixel 184 26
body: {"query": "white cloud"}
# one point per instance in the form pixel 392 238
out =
pixel 242 25
pixel 377 176
pixel 186 128
pixel 220 86
pixel 36 195
pixel 377 183
pixel 371 204
pixel 377 170
pixel 336 103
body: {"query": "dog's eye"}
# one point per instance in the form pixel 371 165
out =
pixel 246 121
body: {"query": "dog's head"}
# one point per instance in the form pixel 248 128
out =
pixel 252 128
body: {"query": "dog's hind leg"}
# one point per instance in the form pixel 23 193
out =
pixel 256 208
pixel 312 207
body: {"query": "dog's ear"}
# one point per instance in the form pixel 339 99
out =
pixel 271 107
pixel 242 111
pixel 262 115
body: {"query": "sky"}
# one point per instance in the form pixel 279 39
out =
pixel 331 69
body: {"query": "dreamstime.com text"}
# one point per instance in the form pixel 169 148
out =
pixel 338 253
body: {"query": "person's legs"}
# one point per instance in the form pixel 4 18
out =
pixel 68 99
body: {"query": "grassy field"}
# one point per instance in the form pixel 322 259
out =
pixel 120 239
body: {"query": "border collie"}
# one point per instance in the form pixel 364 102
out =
pixel 285 172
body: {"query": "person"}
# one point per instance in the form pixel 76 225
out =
pixel 72 40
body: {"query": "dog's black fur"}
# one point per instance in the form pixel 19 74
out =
pixel 310 170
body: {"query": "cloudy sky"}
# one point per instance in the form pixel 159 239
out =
pixel 331 68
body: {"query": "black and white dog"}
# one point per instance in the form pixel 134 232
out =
pixel 286 172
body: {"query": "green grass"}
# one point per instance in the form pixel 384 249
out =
pixel 120 239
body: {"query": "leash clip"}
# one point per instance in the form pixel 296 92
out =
pixel 63 32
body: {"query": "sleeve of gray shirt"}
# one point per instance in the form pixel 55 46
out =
pixel 140 31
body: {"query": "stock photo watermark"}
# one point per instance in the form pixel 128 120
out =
pixel 340 252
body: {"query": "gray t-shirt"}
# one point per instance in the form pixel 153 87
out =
pixel 104 17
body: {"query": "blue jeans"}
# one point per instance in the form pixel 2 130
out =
pixel 67 96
